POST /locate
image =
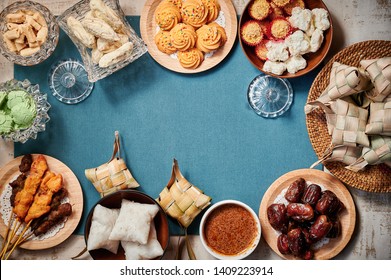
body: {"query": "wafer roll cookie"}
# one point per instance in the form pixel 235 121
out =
pixel 42 35
pixel 80 32
pixel 39 18
pixel 21 38
pixel 116 56
pixel 29 51
pixel 96 55
pixel 12 34
pixel 11 25
pixel 16 17
pixel 10 44
pixel 30 35
pixel 106 13
pixel 19 46
pixel 99 28
pixel 34 44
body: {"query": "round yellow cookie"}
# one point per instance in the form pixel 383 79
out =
pixel 210 37
pixel 194 12
pixel 213 8
pixel 183 36
pixel 163 42
pixel 190 59
pixel 167 15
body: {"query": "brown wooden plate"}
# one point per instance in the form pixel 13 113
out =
pixel 329 182
pixel 75 195
pixel 148 30
pixel 313 59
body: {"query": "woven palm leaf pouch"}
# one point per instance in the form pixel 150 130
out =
pixel 113 175
pixel 182 201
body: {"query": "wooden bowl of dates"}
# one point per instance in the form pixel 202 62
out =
pixel 307 214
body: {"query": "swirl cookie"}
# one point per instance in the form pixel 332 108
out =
pixel 213 8
pixel 191 58
pixel 163 42
pixel 210 37
pixel 183 36
pixel 167 15
pixel 177 3
pixel 194 12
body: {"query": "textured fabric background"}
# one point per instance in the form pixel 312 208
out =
pixel 203 120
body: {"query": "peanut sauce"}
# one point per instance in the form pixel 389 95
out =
pixel 230 229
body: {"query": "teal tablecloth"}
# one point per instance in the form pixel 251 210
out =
pixel 203 120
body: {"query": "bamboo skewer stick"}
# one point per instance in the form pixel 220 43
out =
pixel 19 239
pixel 14 229
pixel 6 234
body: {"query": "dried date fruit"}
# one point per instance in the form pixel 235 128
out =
pixel 300 212
pixel 335 230
pixel 311 194
pixel 278 219
pixel 296 242
pixel 307 237
pixel 320 228
pixel 308 255
pixel 295 190
pixel 328 204
pixel 282 244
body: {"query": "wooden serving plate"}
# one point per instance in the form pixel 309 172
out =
pixel 329 182
pixel 313 59
pixel 148 29
pixel 75 195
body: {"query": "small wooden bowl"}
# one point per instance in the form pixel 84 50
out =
pixel 347 217
pixel 114 201
pixel 313 59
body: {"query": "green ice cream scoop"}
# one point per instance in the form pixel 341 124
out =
pixel 23 115
pixel 6 123
pixel 18 96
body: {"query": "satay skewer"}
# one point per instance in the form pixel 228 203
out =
pixel 10 220
pixel 18 240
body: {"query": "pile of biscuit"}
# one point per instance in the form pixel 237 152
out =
pixel 102 31
pixel 27 31
pixel 188 28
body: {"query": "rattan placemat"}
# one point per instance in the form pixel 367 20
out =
pixel 374 178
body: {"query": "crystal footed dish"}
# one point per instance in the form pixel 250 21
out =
pixel 39 105
pixel 80 11
pixel 269 96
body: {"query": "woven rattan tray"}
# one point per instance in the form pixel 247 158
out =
pixel 374 178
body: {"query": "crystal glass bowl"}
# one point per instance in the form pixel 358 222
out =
pixel 270 97
pixel 46 49
pixel 42 108
pixel 95 73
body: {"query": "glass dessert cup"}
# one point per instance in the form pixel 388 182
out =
pixel 68 81
pixel 270 97
pixel 41 106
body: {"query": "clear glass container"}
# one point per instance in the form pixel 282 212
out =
pixel 41 105
pixel 46 48
pixel 269 96
pixel 69 82
pixel 95 73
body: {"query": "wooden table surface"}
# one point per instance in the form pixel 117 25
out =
pixel 354 21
